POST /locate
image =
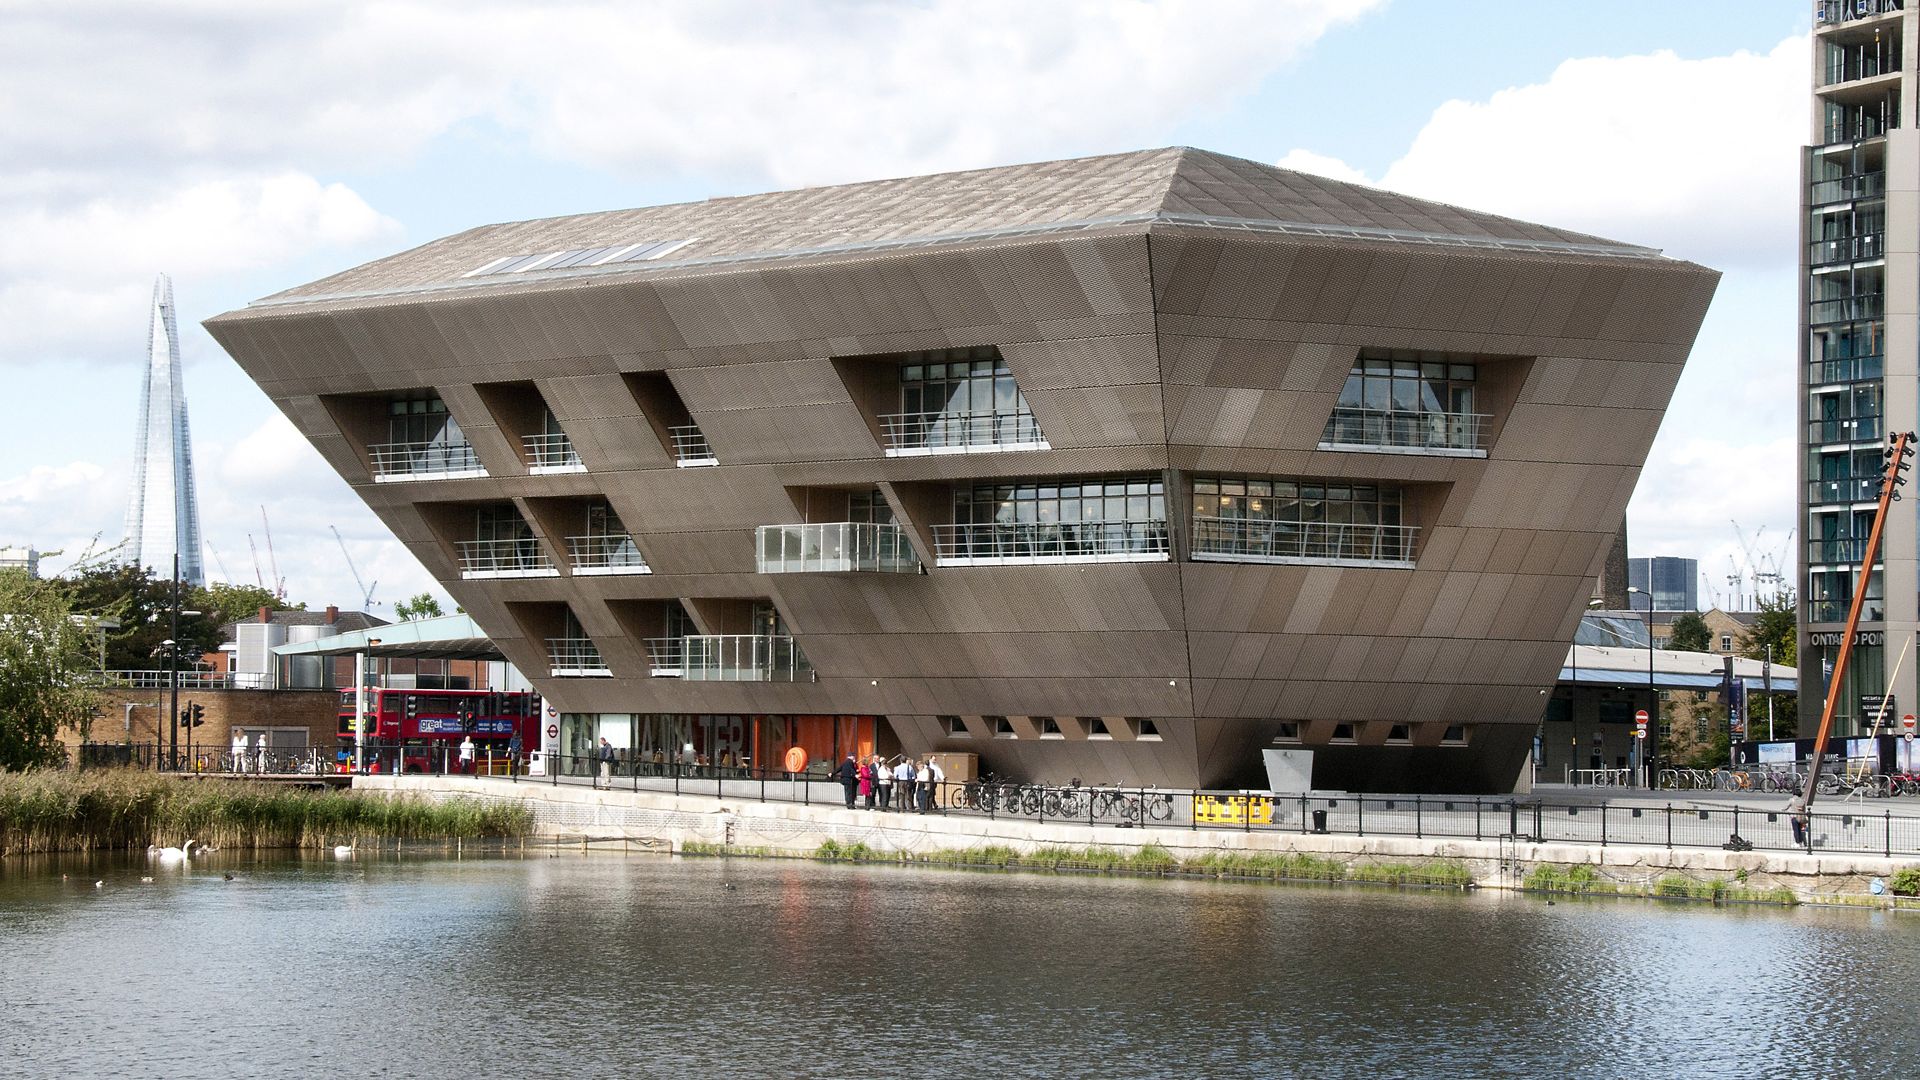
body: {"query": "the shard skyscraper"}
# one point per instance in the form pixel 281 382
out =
pixel 163 516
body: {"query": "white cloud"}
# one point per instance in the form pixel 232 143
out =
pixel 1694 156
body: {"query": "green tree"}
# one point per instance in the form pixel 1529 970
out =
pixel 228 603
pixel 1776 625
pixel 1689 633
pixel 45 657
pixel 142 605
pixel 423 606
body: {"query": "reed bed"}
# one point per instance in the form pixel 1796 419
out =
pixel 1154 859
pixel 45 811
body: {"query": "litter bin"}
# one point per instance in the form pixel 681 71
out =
pixel 1320 821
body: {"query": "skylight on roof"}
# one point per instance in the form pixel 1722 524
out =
pixel 644 251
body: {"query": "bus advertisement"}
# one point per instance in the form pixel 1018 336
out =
pixel 429 725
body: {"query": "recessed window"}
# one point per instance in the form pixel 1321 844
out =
pixel 1002 727
pixel 1097 727
pixel 1148 731
pixel 1343 733
pixel 955 727
pixel 1726 642
pixel 1454 734
pixel 1289 732
pixel 1400 733
pixel 1050 728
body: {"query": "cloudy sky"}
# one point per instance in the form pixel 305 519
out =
pixel 244 147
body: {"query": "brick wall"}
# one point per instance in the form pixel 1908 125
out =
pixel 317 711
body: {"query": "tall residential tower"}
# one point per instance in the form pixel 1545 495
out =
pixel 1861 270
pixel 163 514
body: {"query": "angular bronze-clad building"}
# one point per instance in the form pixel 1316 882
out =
pixel 1122 468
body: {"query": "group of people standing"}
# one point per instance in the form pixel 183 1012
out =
pixel 905 785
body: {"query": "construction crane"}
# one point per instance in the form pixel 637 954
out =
pixel 255 551
pixel 366 590
pixel 273 565
pixel 217 561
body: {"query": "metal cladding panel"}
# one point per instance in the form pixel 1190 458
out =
pixel 1222 353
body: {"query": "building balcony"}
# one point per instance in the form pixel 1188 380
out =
pixel 605 554
pixel 552 453
pixel 1319 543
pixel 1846 308
pixel 575 657
pixel 424 461
pixel 742 658
pixel 1837 552
pixel 1032 543
pixel 522 558
pixel 1864 489
pixel 1850 249
pixel 1835 611
pixel 1846 369
pixel 1869 185
pixel 1853 430
pixel 920 434
pixel 834 548
pixel 1387 431
pixel 690 446
pixel 1828 13
pixel 666 657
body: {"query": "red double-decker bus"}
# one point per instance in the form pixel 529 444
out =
pixel 429 725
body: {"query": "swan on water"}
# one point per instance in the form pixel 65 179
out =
pixel 343 851
pixel 174 854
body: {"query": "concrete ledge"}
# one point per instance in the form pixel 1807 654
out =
pixel 668 821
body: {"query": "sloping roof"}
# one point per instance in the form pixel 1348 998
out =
pixel 446 637
pixel 344 621
pixel 1591 665
pixel 1172 186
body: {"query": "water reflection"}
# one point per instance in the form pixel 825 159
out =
pixel 602 964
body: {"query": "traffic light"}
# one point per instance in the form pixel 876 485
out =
pixel 466 721
pixel 197 714
pixel 413 705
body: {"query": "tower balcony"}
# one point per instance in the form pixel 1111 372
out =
pixel 395 461
pixel 605 554
pixel 1018 543
pixel 690 446
pixel 1390 431
pixel 834 547
pixel 552 452
pixel 923 433
pixel 521 558
pixel 575 657
pixel 736 658
pixel 1318 543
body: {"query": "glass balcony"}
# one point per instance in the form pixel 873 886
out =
pixel 505 559
pixel 666 657
pixel 605 554
pixel 917 434
pixel 834 547
pixel 1869 185
pixel 552 453
pixel 575 656
pixel 690 446
pixel 1865 489
pixel 1848 249
pixel 1026 542
pixel 1835 611
pixel 743 658
pixel 1843 552
pixel 424 461
pixel 1854 429
pixel 1461 434
pixel 1846 369
pixel 1317 542
pixel 1846 308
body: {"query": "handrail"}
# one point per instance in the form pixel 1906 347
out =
pixel 551 451
pixel 1252 540
pixel 743 658
pixel 836 546
pixel 606 553
pixel 1354 426
pixel 504 558
pixel 1027 542
pixel 690 445
pixel 143 679
pixel 666 655
pixel 575 656
pixel 936 432
pixel 424 458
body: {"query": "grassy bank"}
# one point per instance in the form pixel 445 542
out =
pixel 1151 859
pixel 1586 881
pixel 122 809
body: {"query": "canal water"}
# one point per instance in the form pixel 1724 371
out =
pixel 605 964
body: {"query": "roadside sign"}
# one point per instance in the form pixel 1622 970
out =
pixel 1907 722
pixel 553 731
pixel 1640 733
pixel 1640 717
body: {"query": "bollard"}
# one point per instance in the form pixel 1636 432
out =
pixel 1417 835
pixel 1360 815
pixel 1669 826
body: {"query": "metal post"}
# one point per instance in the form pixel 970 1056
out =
pixel 173 667
pixel 1603 824
pixel 1417 835
pixel 1193 811
pixel 1669 826
pixel 360 711
pixel 1889 833
pixel 1360 806
pixel 1303 814
pixel 1476 819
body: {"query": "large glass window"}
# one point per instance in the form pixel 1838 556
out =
pixel 957 398
pixel 1276 518
pixel 1407 399
pixel 1124 499
pixel 422 420
pixel 1060 520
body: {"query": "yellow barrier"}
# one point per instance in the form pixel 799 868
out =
pixel 1233 810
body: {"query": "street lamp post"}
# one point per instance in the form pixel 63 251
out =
pixel 360 707
pixel 173 665
pixel 1653 691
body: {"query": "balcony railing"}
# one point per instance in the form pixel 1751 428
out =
pixel 568 656
pixel 1848 249
pixel 1845 369
pixel 1319 542
pixel 1845 552
pixel 1869 185
pixel 424 461
pixel 911 434
pixel 834 547
pixel 1826 12
pixel 606 554
pixel 552 453
pixel 1027 542
pixel 1865 489
pixel 744 658
pixel 157 680
pixel 666 656
pixel 1846 308
pixel 1384 429
pixel 690 446
pixel 1833 611
pixel 505 559
pixel 1849 430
